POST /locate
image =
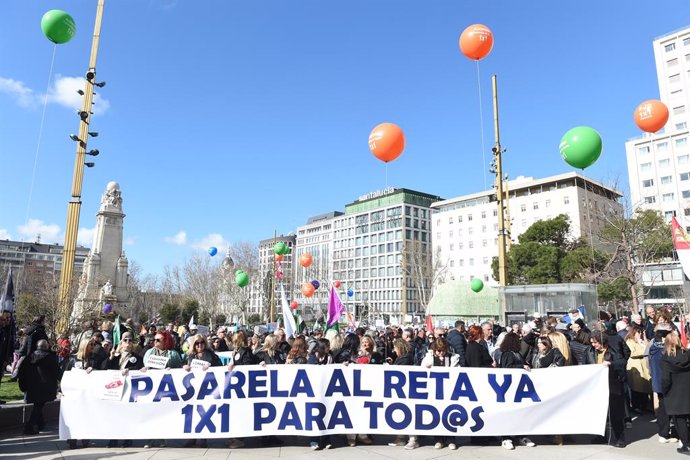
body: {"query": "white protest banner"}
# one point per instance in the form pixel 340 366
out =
pixel 112 385
pixel 314 400
pixel 199 364
pixel 156 362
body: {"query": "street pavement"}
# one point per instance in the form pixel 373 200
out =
pixel 642 444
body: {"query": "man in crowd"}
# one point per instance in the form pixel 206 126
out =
pixel 457 341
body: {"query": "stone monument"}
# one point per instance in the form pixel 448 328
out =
pixel 104 280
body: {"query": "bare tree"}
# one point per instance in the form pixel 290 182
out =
pixel 425 271
pixel 244 256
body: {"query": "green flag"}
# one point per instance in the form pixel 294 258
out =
pixel 116 332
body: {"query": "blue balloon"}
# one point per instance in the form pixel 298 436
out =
pixel 213 251
pixel 350 293
pixel 315 284
pixel 107 308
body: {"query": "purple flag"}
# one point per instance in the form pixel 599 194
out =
pixel 335 308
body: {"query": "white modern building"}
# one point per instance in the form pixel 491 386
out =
pixel 465 229
pixel 659 164
pixel 314 238
pixel 368 245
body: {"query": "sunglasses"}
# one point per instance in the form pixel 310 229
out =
pixel 126 340
pixel 157 340
pixel 199 343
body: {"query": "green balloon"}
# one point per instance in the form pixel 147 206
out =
pixel 580 147
pixel 242 279
pixel 237 272
pixel 477 285
pixel 287 249
pixel 58 26
pixel 279 248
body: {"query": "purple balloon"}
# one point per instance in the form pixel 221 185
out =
pixel 107 308
pixel 315 284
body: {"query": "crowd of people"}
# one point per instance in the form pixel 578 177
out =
pixel 648 366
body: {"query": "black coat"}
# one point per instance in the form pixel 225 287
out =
pixel 39 376
pixel 133 363
pixel 552 357
pixel 405 360
pixel 675 383
pixel 458 343
pixel 528 347
pixel 34 333
pixel 268 359
pixel 208 356
pixel 617 373
pixel 476 355
pixel 580 353
pixel 511 360
pixel 244 356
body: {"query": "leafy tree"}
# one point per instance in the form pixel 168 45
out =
pixel 169 312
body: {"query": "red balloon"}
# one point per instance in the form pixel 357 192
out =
pixel 294 305
pixel 387 142
pixel 305 260
pixel 476 42
pixel 651 115
pixel 337 284
pixel 308 289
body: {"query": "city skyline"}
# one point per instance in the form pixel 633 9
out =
pixel 252 121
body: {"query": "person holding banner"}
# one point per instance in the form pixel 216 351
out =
pixel 298 353
pixel 367 355
pixel 675 382
pixel 476 354
pixel 242 354
pixel 269 353
pixel 321 355
pixel 609 356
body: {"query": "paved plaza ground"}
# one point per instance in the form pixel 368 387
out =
pixel 643 444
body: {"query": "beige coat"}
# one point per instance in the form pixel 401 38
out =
pixel 639 377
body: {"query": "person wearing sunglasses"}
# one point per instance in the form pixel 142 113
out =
pixel 124 358
pixel 163 345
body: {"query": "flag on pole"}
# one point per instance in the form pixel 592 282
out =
pixel 191 322
pixel 117 334
pixel 429 323
pixel 279 271
pixel 7 299
pixel 335 308
pixel 681 243
pixel 288 317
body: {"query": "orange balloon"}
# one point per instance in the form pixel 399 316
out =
pixel 651 115
pixel 308 289
pixel 387 142
pixel 305 260
pixel 476 42
pixel 280 257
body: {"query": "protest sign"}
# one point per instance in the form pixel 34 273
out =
pixel 157 362
pixel 199 364
pixel 112 385
pixel 316 400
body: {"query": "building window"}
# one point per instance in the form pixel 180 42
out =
pixel 566 200
pixel 452 246
pixel 686 41
pixel 523 207
pixel 674 78
pixel 684 176
pixel 686 194
pixel 644 167
pixel 665 180
pixel 686 212
pixel 682 142
pixel 679 110
pixel 669 214
pixel 470 231
pixel 648 183
pixel 471 244
pixel 471 262
pixel 484 243
pixel 469 217
pixel 643 150
pixel 461 262
pixel 666 197
pixel 650 199
pixel 450 234
pixel 665 163
pixel 438 235
pixel 672 63
pixel 483 214
pixel 461 245
pixel 485 261
pixel 670 47
pixel 459 219
pixel 683 159
pixel 483 228
pixel 450 220
pixel 547 204
pixel 682 125
pixel 662 146
pixel 535 205
pixel 452 263
pixel 495 213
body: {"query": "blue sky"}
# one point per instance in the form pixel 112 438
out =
pixel 225 120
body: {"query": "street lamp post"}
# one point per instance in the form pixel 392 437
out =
pixel 74 205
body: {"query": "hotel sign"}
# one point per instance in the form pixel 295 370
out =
pixel 377 194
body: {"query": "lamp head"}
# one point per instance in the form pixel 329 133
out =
pixel 93 152
pixel 93 134
pixel 74 137
pixel 89 164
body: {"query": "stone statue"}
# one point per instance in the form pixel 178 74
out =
pixel 107 289
pixel 112 195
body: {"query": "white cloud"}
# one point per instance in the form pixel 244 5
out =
pixel 85 236
pixel 18 90
pixel 63 92
pixel 49 233
pixel 179 239
pixel 4 234
pixel 130 241
pixel 213 239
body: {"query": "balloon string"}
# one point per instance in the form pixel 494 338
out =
pixel 386 175
pixel 481 126
pixel 40 136
pixel 591 241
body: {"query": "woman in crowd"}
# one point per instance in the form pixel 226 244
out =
pixel 512 359
pixel 608 356
pixel 560 343
pixel 403 351
pixel 320 356
pixel 547 355
pixel 349 349
pixel 441 356
pixel 255 344
pixel 476 354
pixel 580 348
pixel 269 353
pixel 367 355
pixel 655 352
pixel 639 377
pixel 94 356
pixel 242 354
pixel 675 382
pixel 298 353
